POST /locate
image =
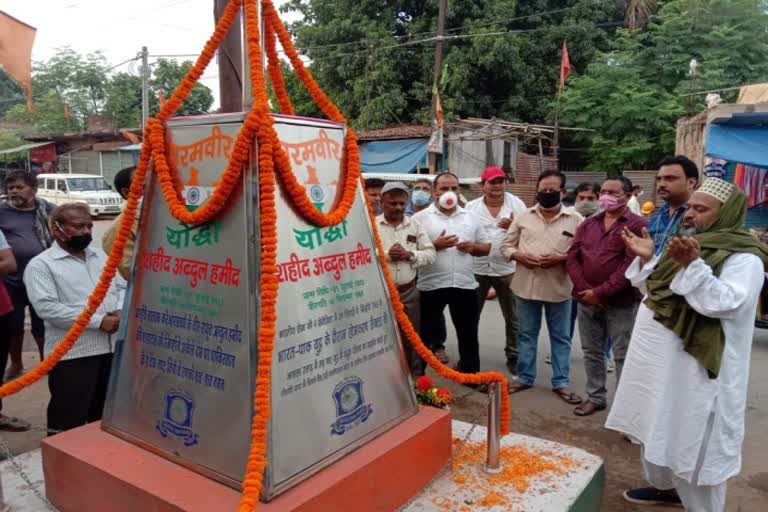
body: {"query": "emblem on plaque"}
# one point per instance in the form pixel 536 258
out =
pixel 177 419
pixel 351 409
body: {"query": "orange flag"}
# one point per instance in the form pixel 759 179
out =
pixel 66 111
pixel 161 97
pixel 565 66
pixel 16 40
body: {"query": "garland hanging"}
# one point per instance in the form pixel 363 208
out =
pixel 258 125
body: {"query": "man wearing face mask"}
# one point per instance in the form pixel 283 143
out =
pixel 59 281
pixel 587 195
pixel 456 235
pixel 496 209
pixel 607 302
pixel 538 240
pixel 24 220
pixel 420 197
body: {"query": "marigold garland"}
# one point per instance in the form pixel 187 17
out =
pixel 272 159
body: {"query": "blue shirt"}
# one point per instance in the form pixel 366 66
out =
pixel 661 227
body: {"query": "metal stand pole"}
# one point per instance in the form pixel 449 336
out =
pixel 492 463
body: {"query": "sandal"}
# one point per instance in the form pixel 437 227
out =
pixel 588 409
pixel 517 386
pixel 10 424
pixel 567 396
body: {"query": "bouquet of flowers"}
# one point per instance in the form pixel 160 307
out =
pixel 429 394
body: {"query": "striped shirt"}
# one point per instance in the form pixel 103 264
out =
pixel 58 285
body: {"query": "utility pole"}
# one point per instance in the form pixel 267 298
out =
pixel 434 158
pixel 230 59
pixel 144 86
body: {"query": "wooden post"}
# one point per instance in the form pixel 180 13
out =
pixel 434 158
pixel 230 63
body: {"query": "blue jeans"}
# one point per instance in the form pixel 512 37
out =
pixel 558 315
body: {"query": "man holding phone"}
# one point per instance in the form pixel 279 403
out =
pixel 496 209
pixel 59 282
pixel 538 241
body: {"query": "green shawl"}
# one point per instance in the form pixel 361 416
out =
pixel 702 336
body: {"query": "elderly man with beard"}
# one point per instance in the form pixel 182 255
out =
pixel 683 392
pixel 24 220
pixel 408 247
pixel 59 281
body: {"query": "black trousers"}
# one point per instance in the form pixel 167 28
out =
pixel 465 313
pixel 78 389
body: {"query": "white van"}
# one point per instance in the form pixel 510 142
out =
pixel 83 188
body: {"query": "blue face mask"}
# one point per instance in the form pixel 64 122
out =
pixel 421 197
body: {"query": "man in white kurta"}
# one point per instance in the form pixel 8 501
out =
pixel 690 425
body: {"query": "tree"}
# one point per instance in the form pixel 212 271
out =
pixel 631 95
pixel 302 101
pixel 501 59
pixel 79 81
pixel 167 75
pixel 638 12
pixel 11 93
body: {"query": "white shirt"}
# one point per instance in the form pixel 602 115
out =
pixel 3 241
pixel 412 236
pixel 634 205
pixel 495 264
pixel 665 397
pixel 452 268
pixel 58 285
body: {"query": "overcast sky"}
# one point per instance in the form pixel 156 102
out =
pixel 120 28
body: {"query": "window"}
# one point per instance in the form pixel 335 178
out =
pixel 62 185
pixel 88 184
pixel 40 182
pixel 50 184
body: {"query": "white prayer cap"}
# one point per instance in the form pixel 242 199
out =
pixel 717 188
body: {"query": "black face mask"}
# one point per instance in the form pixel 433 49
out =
pixel 548 200
pixel 80 242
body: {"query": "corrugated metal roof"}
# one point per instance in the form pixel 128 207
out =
pixel 25 147
pixel 412 131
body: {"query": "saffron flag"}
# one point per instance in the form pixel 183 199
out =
pixel 66 111
pixel 435 144
pixel 161 97
pixel 16 40
pixel 565 66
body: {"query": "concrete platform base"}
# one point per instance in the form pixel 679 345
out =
pixel 578 489
pixel 88 470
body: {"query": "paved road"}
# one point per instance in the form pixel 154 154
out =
pixel 535 412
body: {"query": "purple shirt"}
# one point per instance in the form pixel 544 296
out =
pixel 598 259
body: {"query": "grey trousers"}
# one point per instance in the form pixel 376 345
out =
pixel 595 325
pixel 508 307
pixel 412 305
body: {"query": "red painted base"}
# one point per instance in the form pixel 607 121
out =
pixel 88 470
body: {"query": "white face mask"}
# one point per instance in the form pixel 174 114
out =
pixel 448 200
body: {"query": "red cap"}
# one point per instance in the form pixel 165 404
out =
pixel 491 173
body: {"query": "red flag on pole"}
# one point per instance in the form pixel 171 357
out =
pixel 565 67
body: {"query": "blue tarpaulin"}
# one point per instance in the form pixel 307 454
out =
pixel 738 143
pixel 393 156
